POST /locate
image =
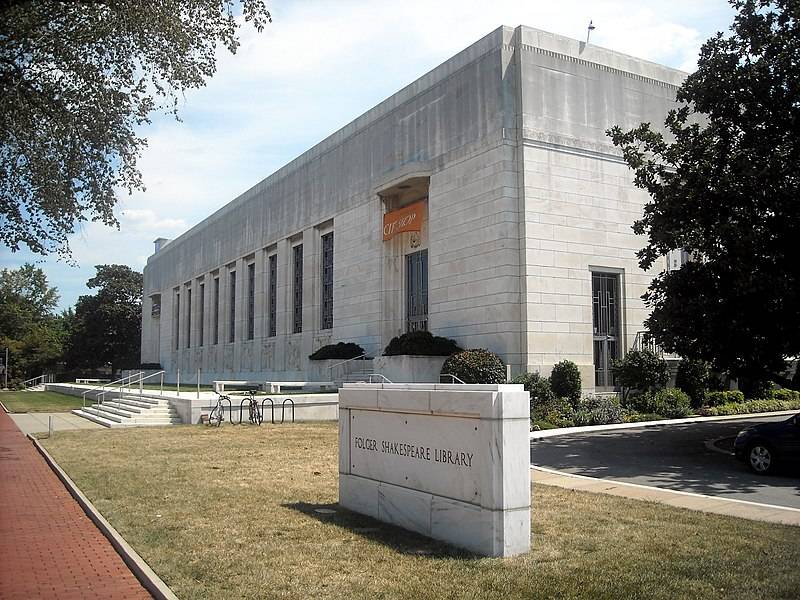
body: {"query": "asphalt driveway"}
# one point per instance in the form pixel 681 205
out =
pixel 673 457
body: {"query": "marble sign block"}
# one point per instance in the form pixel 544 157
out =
pixel 448 461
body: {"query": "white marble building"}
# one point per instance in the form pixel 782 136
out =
pixel 524 210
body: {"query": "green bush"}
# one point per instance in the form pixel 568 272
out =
pixel 598 410
pixel 537 386
pixel 632 416
pixel 692 378
pixel 720 398
pixel 475 366
pixel 565 380
pixel 341 350
pixel 784 394
pixel 749 406
pixel 671 403
pixel 640 370
pixel 421 343
pixel 755 388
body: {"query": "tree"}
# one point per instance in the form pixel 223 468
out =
pixel 107 326
pixel 76 81
pixel 726 189
pixel 28 327
pixel 565 381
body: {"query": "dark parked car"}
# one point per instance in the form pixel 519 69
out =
pixel 767 445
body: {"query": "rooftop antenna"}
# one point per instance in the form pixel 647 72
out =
pixel 589 30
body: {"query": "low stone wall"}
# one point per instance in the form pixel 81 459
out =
pixel 447 461
pixel 410 369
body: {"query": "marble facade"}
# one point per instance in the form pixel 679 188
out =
pixel 447 461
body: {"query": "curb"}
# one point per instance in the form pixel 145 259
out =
pixel 4 408
pixel 545 433
pixel 140 569
pixel 666 492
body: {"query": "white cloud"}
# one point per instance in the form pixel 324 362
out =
pixel 318 66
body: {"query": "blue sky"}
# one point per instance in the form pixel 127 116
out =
pixel 318 66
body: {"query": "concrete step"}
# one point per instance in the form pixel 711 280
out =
pixel 94 418
pixel 125 412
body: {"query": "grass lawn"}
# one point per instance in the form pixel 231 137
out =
pixel 22 402
pixel 230 513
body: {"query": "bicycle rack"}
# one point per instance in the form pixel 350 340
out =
pixel 283 409
pixel 272 404
pixel 241 411
pixel 230 409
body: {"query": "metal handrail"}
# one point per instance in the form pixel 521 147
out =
pixel 453 378
pixel 102 387
pixel 41 379
pixel 333 366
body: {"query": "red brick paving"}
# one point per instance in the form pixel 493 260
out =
pixel 49 548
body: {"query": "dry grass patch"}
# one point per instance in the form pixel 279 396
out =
pixel 231 513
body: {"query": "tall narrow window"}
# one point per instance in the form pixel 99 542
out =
pixel 232 302
pixel 251 301
pixel 297 289
pixel 417 291
pixel 605 326
pixel 326 304
pixel 188 317
pixel 273 296
pixel 177 320
pixel 215 313
pixel 201 322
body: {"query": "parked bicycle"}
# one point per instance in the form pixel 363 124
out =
pixel 255 410
pixel 218 412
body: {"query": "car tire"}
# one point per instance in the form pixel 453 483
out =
pixel 760 458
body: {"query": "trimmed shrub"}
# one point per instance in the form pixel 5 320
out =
pixel 692 378
pixel 755 389
pixel 784 395
pixel 749 406
pixel 720 398
pixel 558 411
pixel 565 380
pixel 421 343
pixel 598 410
pixel 537 386
pixel 671 403
pixel 631 416
pixel 343 350
pixel 640 370
pixel 475 366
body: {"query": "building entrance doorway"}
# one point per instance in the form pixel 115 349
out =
pixel 605 326
pixel 417 291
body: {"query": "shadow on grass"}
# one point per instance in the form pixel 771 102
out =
pixel 396 538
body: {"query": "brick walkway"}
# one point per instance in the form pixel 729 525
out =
pixel 48 546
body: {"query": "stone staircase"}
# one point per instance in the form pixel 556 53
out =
pixel 356 372
pixel 128 411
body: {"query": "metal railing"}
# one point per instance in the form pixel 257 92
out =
pixel 128 382
pixel 344 365
pixel 453 378
pixel 40 380
pixel 644 341
pixel 102 388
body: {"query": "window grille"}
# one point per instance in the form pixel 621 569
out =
pixel 326 305
pixel 417 291
pixel 232 314
pixel 251 301
pixel 273 295
pixel 297 289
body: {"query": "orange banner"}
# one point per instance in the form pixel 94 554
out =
pixel 408 218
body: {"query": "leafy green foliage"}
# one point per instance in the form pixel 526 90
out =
pixel 421 343
pixel 28 327
pixel 598 410
pixel 692 378
pixel 748 407
pixel 343 350
pixel 107 327
pixel 565 380
pixel 784 394
pixel 537 386
pixel 726 190
pixel 640 370
pixel 671 403
pixel 475 366
pixel 76 81
pixel 720 398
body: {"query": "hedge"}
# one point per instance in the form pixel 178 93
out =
pixel 421 343
pixel 750 406
pixel 341 350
